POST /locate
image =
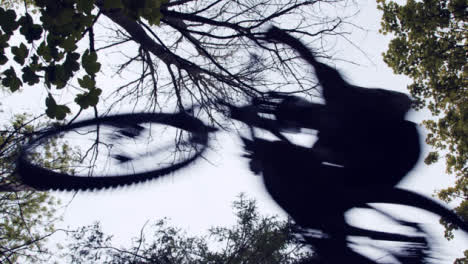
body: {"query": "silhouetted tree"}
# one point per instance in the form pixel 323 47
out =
pixel 184 51
pixel 254 239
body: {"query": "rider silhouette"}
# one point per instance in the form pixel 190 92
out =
pixel 363 131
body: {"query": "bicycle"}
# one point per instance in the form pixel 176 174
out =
pixel 130 126
pixel 355 197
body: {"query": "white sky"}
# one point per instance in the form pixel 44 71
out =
pixel 200 197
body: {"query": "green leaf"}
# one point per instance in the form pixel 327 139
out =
pixel 8 21
pixel 431 158
pixel 87 82
pixel 49 75
pixel 88 99
pixel 20 53
pixel 53 41
pixel 68 44
pixel 51 105
pixel 3 59
pixel 30 30
pixel 4 38
pixel 152 12
pixel 61 112
pixel 29 76
pixel 54 110
pixel 89 62
pixel 44 51
pixel 71 64
pixel 61 76
pixel 35 33
pixel 57 75
pixel 11 80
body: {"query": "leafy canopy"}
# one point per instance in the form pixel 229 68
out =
pixel 48 49
pixel 27 217
pixel 430 45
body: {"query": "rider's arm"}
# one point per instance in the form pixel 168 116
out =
pixel 335 88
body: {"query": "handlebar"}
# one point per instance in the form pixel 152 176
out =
pixel 291 113
pixel 250 115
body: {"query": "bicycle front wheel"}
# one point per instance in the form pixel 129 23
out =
pixel 114 151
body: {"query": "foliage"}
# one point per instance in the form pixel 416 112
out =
pixel 188 51
pixel 463 260
pixel 430 46
pixel 254 239
pixel 26 216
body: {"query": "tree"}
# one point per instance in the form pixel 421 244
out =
pixel 183 51
pixel 26 217
pixel 253 239
pixel 430 46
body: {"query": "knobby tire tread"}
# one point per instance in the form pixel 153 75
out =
pixel 44 179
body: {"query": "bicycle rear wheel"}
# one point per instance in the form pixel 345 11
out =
pixel 407 247
pixel 115 151
pixel 399 196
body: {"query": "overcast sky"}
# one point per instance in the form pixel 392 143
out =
pixel 200 197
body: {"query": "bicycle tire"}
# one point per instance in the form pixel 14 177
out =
pixel 400 196
pixel 416 247
pixel 417 244
pixel 41 178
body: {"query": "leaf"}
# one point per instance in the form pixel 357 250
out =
pixel 49 74
pixel 29 76
pixel 61 112
pixel 431 158
pixel 53 41
pixel 8 21
pixel 4 38
pixel 71 62
pixel 88 99
pixel 54 110
pixel 3 59
pixel 152 12
pixel 51 105
pixel 30 30
pixel 61 76
pixel 11 80
pixel 68 44
pixel 57 75
pixel 87 82
pixel 155 18
pixel 20 53
pixel 89 62
pixel 44 51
